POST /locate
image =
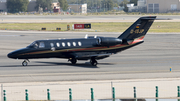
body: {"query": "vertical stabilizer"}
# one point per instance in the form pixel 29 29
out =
pixel 138 29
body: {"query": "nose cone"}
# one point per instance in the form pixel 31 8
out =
pixel 12 55
pixel 17 54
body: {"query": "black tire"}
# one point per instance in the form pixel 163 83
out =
pixel 73 61
pixel 93 62
pixel 24 63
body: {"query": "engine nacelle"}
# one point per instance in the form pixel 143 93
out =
pixel 108 41
pixel 127 42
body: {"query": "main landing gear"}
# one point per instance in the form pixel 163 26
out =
pixel 93 62
pixel 25 62
pixel 73 60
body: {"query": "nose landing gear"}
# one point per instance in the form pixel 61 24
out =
pixel 25 62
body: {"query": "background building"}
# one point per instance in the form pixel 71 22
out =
pixel 2 0
pixel 3 7
pixel 155 6
pixel 78 8
pixel 163 6
pixel 141 7
pixel 56 7
pixel 31 6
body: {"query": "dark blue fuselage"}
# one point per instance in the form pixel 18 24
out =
pixel 67 48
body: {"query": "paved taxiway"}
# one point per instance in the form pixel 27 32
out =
pixel 78 18
pixel 152 59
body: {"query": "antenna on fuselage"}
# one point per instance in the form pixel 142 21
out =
pixel 86 36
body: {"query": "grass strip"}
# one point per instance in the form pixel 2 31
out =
pixel 99 26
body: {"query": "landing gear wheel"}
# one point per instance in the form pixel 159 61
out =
pixel 93 62
pixel 73 61
pixel 24 63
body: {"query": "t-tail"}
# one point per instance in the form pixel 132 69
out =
pixel 137 30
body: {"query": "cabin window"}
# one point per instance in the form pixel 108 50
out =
pixel 58 45
pixel 69 44
pixel 74 43
pixel 52 45
pixel 41 45
pixel 79 43
pixel 63 44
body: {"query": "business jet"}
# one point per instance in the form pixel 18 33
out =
pixel 90 48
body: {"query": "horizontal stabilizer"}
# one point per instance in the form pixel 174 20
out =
pixel 156 18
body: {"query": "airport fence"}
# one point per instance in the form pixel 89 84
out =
pixel 85 90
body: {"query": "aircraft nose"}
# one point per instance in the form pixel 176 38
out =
pixel 17 54
pixel 11 55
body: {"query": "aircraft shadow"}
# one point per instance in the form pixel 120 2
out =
pixel 12 66
pixel 84 65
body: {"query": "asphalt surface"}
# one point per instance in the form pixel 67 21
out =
pixel 151 59
pixel 77 18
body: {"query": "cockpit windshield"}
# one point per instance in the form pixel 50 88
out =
pixel 34 45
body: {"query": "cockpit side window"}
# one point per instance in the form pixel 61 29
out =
pixel 34 45
pixel 41 45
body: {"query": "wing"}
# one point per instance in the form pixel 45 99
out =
pixel 89 55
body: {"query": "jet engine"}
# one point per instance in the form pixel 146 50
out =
pixel 106 41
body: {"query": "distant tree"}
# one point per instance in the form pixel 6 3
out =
pixel 115 5
pixel 45 4
pixel 72 1
pixel 78 1
pixel 107 4
pixel 110 6
pixel 63 4
pixel 124 4
pixel 134 2
pixel 17 5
